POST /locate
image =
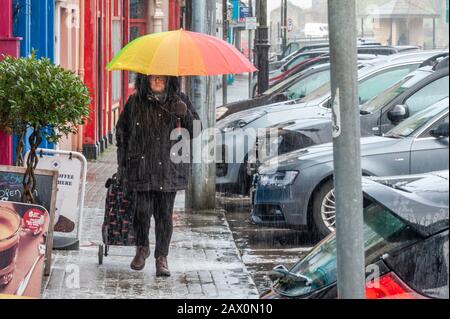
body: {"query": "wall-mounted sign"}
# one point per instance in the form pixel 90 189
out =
pixel 251 23
pixel 290 25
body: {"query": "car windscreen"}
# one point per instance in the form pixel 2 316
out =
pixel 305 86
pixel 387 96
pixel 323 91
pixel 277 87
pixel 383 232
pixel 320 92
pixel 415 122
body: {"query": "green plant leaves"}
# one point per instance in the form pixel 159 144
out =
pixel 36 93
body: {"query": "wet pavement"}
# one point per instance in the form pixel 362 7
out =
pixel 262 248
pixel 220 255
pixel 204 259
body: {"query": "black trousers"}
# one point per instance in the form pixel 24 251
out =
pixel 160 206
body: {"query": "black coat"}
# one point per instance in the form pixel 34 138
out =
pixel 144 145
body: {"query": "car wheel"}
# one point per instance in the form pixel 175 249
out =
pixel 324 210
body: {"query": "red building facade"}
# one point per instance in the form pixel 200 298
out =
pixel 106 31
pixel 9 45
pixel 175 16
pixel 108 25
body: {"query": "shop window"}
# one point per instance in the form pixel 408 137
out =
pixel 138 9
pixel 116 46
pixel 138 25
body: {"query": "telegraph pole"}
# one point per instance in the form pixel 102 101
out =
pixel 262 47
pixel 203 183
pixel 225 38
pixel 347 150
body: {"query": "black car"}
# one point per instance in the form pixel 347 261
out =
pixel 406 245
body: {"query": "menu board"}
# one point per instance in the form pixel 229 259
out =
pixel 23 248
pixel 11 189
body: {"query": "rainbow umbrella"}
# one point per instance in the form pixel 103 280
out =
pixel 181 53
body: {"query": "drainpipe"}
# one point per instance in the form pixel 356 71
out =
pixel 81 65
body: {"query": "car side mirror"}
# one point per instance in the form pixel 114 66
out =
pixel 398 114
pixel 441 131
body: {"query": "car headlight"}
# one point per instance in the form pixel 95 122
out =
pixel 279 179
pixel 236 123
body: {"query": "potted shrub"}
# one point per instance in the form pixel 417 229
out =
pixel 42 99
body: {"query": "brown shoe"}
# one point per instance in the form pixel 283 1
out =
pixel 142 253
pixel 162 269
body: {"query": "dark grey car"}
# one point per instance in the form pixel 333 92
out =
pixel 296 189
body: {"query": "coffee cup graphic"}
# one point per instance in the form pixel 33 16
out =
pixel 10 227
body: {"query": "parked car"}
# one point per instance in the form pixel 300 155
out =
pixel 371 47
pixel 294 48
pixel 289 74
pixel 235 140
pixel 296 189
pixel 416 91
pixel 326 57
pixel 294 61
pixel 387 50
pixel 299 85
pixel 406 245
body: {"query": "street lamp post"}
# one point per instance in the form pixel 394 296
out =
pixel 262 47
pixel 284 24
pixel 225 38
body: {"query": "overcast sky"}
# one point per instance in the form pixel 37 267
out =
pixel 272 4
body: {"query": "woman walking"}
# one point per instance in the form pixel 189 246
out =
pixel 151 179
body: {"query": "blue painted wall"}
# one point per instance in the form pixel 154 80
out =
pixel 34 23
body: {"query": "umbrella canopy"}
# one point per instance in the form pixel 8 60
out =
pixel 181 53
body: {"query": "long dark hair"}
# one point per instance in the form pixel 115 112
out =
pixel 142 86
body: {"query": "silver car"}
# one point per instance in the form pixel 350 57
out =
pixel 239 131
pixel 296 189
